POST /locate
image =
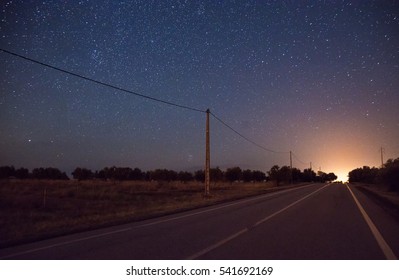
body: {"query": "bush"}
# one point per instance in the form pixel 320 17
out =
pixel 389 174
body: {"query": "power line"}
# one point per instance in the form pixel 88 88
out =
pixel 297 158
pixel 244 137
pixel 102 83
pixel 142 96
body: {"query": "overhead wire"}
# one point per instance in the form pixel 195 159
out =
pixel 298 159
pixel 244 137
pixel 103 83
pixel 147 97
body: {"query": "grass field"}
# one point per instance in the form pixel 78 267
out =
pixel 36 209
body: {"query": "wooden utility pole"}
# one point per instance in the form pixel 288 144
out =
pixel 291 167
pixel 207 156
pixel 382 157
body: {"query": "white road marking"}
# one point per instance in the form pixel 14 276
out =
pixel 65 243
pixel 389 254
pixel 218 244
pixel 220 207
pixel 241 232
pixel 289 206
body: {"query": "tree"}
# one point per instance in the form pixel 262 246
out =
pixel 82 174
pixel 163 175
pixel 22 173
pixel 7 172
pixel 136 174
pixel 258 176
pixel 308 175
pixel 49 173
pixel 216 174
pixel 233 174
pixel 185 176
pixel 389 174
pixel 285 174
pixel 331 177
pixel 247 175
pixel 274 174
pixel 199 175
pixel 296 175
pixel 363 175
pixel 280 175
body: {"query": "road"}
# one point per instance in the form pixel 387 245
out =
pixel 316 221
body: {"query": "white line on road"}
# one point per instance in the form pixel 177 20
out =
pixel 64 243
pixel 389 254
pixel 237 234
pixel 289 206
pixel 220 207
pixel 218 244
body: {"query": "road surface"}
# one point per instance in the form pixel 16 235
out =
pixel 316 221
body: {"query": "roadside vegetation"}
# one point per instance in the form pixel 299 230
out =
pixel 45 202
pixel 387 176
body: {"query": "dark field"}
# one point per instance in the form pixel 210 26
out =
pixel 37 209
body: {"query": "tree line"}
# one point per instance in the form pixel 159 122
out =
pixel 51 173
pixel 285 174
pixel 387 175
pixel 280 175
pixel 126 173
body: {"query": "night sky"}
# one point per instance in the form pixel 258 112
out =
pixel 320 79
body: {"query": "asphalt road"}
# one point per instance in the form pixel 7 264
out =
pixel 317 221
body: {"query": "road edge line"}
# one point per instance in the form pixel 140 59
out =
pixel 389 254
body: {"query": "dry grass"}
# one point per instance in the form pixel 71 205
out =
pixel 34 209
pixel 383 192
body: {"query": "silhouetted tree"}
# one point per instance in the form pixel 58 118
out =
pixel 331 177
pixel 285 174
pixel 233 174
pixel 258 176
pixel 163 175
pixel 280 175
pixel 216 174
pixel 308 175
pixel 49 173
pixel 247 175
pixel 363 175
pixel 199 175
pixel 102 174
pixel 7 172
pixel 389 174
pixel 185 176
pixel 82 174
pixel 137 174
pixel 296 175
pixel 274 174
pixel 22 173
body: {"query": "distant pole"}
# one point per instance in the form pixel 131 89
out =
pixel 382 157
pixel 291 166
pixel 207 156
pixel 310 165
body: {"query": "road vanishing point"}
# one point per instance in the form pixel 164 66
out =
pixel 311 222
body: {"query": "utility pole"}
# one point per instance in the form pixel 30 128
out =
pixel 291 167
pixel 382 157
pixel 207 156
pixel 310 165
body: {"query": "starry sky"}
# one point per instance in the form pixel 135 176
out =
pixel 318 78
